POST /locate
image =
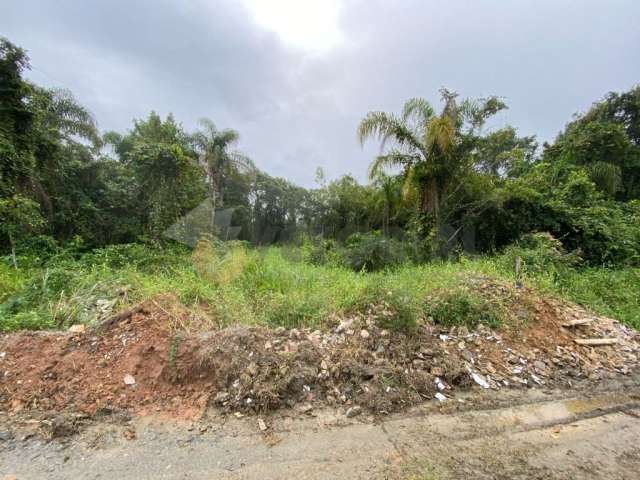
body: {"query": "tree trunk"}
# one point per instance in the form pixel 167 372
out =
pixel 430 199
pixel 385 219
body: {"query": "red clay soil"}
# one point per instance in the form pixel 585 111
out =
pixel 85 372
pixel 355 363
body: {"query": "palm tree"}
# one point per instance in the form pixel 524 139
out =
pixel 431 150
pixel 213 147
pixel 388 190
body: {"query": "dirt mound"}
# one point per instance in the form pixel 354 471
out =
pixel 125 367
pixel 144 364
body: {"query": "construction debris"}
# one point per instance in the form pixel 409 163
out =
pixel 251 370
pixel 595 342
pixel 578 322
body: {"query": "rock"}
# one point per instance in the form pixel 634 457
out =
pixel 344 325
pixel 252 369
pixel 130 433
pixel 364 334
pixel 468 356
pixel 536 379
pixel 354 411
pixel 261 425
pixel 221 397
pixel 129 380
pixel 539 365
pixel 419 364
pixel 305 408
pixel 479 379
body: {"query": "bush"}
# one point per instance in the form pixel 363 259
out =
pixel 219 263
pixel 321 251
pixel 371 252
pixel 139 256
pixel 392 308
pixel 541 253
pixel 462 308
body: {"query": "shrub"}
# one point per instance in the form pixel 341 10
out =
pixel 461 307
pixel 219 263
pixel 371 252
pixel 392 308
pixel 320 251
pixel 137 255
pixel 540 252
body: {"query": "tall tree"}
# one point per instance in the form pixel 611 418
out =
pixel 214 152
pixel 16 119
pixel 169 182
pixel 432 150
pixel 605 141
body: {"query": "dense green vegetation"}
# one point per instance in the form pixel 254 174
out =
pixel 87 216
pixel 279 286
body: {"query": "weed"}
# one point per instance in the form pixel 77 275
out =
pixel 273 286
pixel 461 307
pixel 173 350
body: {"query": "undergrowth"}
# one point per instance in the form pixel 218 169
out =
pixel 232 283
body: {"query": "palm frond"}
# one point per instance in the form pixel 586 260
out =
pixel 208 125
pixel 606 176
pixel 241 162
pixel 419 110
pixel 73 118
pixel 385 126
pixel 227 137
pixel 393 159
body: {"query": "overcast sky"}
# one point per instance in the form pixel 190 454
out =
pixel 294 77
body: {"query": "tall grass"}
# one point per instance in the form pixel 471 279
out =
pixel 271 286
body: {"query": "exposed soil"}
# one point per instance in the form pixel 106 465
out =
pixel 145 363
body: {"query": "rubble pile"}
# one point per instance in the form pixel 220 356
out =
pixel 144 364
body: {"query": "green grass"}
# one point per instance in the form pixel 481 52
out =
pixel 462 307
pixel 274 287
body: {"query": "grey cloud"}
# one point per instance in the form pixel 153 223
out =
pixel 295 110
